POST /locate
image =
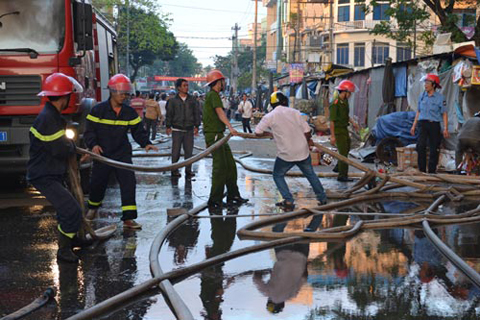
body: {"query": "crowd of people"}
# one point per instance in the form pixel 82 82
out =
pixel 182 114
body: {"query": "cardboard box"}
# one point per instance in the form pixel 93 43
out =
pixel 315 158
pixel 321 123
pixel 406 158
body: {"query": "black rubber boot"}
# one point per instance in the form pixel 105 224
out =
pixel 237 200
pixel 65 252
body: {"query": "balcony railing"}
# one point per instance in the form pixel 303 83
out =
pixel 369 24
pixel 355 25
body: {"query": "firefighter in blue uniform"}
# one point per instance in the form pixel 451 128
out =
pixel 107 126
pixel 49 153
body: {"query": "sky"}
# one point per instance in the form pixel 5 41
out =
pixel 210 19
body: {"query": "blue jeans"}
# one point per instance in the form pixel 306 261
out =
pixel 281 167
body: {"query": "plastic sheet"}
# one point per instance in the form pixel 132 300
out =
pixel 398 125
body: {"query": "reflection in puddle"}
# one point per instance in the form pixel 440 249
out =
pixel 381 274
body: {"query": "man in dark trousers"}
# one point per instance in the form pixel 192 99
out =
pixel 182 121
pixel 49 153
pixel 224 171
pixel 106 134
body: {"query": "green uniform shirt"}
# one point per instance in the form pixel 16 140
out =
pixel 211 122
pixel 339 113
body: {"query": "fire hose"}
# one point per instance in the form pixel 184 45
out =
pixel 163 279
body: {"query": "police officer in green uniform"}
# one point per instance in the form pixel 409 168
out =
pixel 339 121
pixel 224 171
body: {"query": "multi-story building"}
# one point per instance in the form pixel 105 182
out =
pixel 248 40
pixel 317 32
pixel 356 47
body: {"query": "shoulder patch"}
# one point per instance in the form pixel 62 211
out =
pixel 336 101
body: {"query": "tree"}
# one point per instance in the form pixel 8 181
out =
pixel 106 5
pixel 185 64
pixel 149 39
pixel 413 15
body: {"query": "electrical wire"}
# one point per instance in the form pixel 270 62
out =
pixel 200 8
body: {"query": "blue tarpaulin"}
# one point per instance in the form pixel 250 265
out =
pixel 477 53
pixel 400 74
pixel 396 124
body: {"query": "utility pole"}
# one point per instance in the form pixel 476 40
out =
pixel 296 44
pixel 373 50
pixel 235 58
pixel 127 66
pixel 279 33
pixel 296 25
pixel 331 31
pixel 254 73
pixel 415 39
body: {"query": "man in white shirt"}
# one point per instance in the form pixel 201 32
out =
pixel 292 137
pixel 162 104
pixel 246 109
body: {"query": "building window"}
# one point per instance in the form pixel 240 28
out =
pixel 380 52
pixel 403 52
pixel 342 53
pixel 359 13
pixel 343 1
pixel 466 20
pixel 359 55
pixel 343 13
pixel 379 12
pixel 405 9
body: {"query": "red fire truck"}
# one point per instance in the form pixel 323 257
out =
pixel 38 38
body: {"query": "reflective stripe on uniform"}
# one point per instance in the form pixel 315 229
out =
pixel 67 234
pixel 47 138
pixel 94 203
pixel 129 208
pixel 114 122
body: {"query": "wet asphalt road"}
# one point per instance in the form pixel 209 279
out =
pixel 388 274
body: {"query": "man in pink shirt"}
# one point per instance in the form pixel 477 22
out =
pixel 292 137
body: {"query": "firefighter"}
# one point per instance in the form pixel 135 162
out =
pixel 49 153
pixel 339 122
pixel 106 134
pixel 224 171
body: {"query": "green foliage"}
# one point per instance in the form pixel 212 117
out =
pixel 150 38
pixel 244 80
pixel 184 64
pixel 148 5
pixel 408 14
pixel 411 15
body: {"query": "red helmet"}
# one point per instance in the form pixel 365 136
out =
pixel 213 76
pixel 120 83
pixel 59 84
pixel 433 78
pixel 347 85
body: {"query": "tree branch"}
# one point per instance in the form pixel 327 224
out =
pixel 449 8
